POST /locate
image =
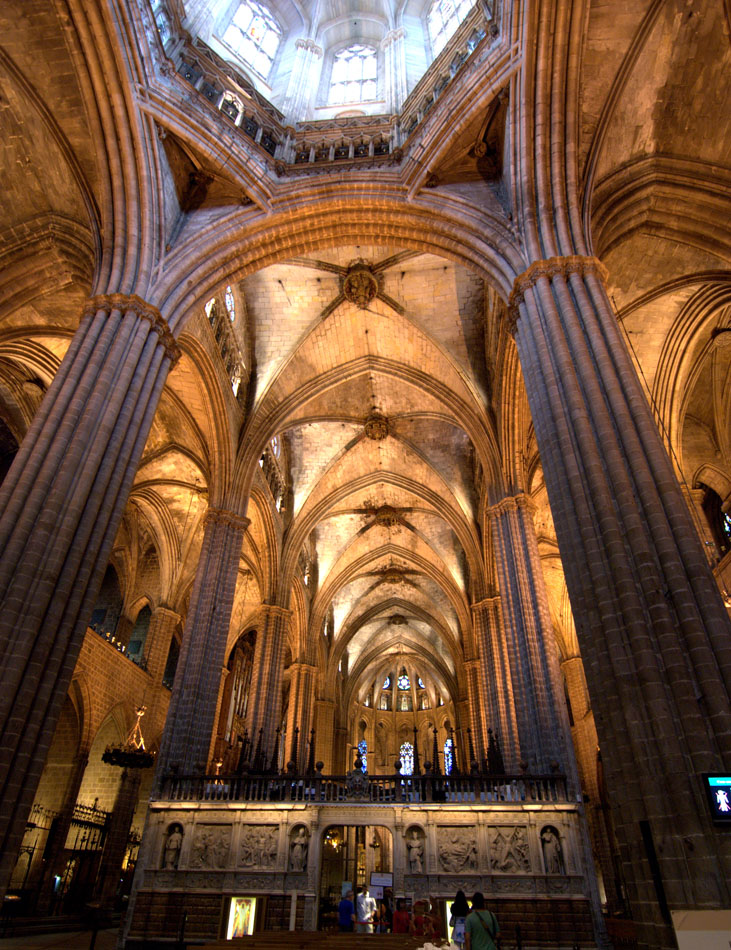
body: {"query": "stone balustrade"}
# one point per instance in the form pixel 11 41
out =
pixel 374 790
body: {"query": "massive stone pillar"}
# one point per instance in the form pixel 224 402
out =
pixel 543 728
pixel 60 506
pixel 192 712
pixel 265 694
pixel 116 842
pixel 325 734
pixel 495 682
pixel 303 679
pixel 53 863
pixel 653 631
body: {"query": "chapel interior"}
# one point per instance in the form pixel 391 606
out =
pixel 365 445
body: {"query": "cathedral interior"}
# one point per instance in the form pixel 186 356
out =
pixel 365 444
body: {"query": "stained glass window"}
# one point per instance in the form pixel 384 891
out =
pixel 406 753
pixel 363 753
pixel 387 683
pixel 230 305
pixel 353 77
pixel 403 681
pixel 255 35
pixel 443 19
pixel 420 681
pixel 448 757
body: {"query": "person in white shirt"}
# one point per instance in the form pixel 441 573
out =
pixel 365 908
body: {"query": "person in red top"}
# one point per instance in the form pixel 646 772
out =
pixel 420 921
pixel 401 918
pixel 435 928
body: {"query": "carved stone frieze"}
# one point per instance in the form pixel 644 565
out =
pixel 258 882
pixel 258 846
pixel 550 268
pixel 131 303
pixel 211 844
pixel 509 850
pixel 457 849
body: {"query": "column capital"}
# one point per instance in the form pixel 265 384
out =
pixel 309 45
pixel 127 303
pixel 303 667
pixel 274 610
pixel 222 516
pixel 485 603
pixel 512 503
pixel 550 267
pixel 167 612
pixel 392 36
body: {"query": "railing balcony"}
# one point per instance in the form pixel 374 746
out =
pixel 367 789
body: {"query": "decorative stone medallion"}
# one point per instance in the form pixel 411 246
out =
pixel 376 427
pixel 360 285
pixel 387 516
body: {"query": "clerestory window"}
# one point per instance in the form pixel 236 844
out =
pixel 443 19
pixel 255 35
pixel 353 77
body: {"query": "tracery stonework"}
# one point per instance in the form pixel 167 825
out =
pixel 258 846
pixel 457 850
pixel 509 850
pixel 211 845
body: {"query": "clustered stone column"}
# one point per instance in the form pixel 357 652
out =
pixel 265 691
pixel 543 728
pixel 302 78
pixel 495 682
pixel 325 732
pixel 395 69
pixel 117 837
pixel 653 631
pixel 303 679
pixel 191 715
pixel 60 506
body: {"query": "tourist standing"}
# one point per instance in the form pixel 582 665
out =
pixel 365 909
pixel 481 927
pixel 458 911
pixel 346 913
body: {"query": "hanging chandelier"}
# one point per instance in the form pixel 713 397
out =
pixel 131 755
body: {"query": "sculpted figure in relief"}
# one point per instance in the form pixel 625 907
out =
pixel 457 850
pixel 509 850
pixel 258 847
pixel 210 848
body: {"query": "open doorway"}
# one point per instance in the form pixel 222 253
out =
pixel 352 855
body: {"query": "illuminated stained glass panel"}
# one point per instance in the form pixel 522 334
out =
pixel 443 19
pixel 406 754
pixel 255 35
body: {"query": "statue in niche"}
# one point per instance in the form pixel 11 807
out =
pixel 298 850
pixel 415 849
pixel 457 850
pixel 509 850
pixel 552 853
pixel 171 851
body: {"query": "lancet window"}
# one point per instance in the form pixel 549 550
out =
pixel 443 19
pixel 354 75
pixel 255 35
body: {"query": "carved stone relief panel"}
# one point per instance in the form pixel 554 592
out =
pixel 211 845
pixel 509 849
pixel 457 849
pixel 258 846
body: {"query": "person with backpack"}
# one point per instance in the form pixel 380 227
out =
pixel 482 931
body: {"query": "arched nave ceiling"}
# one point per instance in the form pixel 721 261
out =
pixel 390 523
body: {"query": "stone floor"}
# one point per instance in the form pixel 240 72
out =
pixel 72 940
